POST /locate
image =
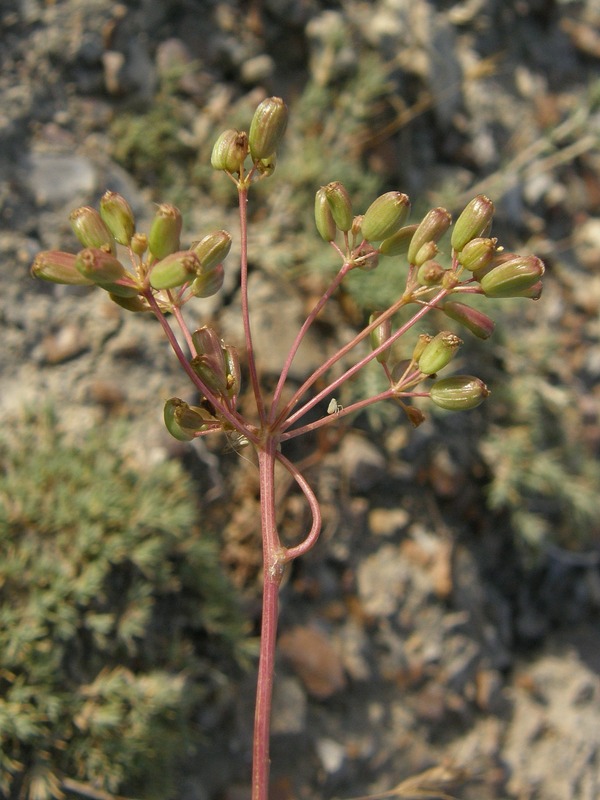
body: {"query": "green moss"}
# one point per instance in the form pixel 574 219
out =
pixel 109 591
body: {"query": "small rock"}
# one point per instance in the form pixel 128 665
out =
pixel 289 706
pixel 332 755
pixel 387 521
pixel 57 178
pixel 363 464
pixel 314 659
pixel 63 345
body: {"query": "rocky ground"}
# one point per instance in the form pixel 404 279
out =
pixel 419 648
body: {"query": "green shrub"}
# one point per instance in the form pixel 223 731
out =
pixel 108 593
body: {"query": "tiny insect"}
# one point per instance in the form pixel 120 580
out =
pixel 334 407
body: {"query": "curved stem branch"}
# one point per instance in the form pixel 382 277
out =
pixel 293 552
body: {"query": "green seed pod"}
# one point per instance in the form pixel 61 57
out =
pixel 121 290
pixel 58 267
pixel 438 353
pixel 477 254
pixel 165 231
pixel 209 363
pixel 175 270
pixel 459 393
pixel 91 230
pixel 471 318
pixel 513 278
pixel 230 151
pixel 323 217
pixel 212 249
pixel 208 283
pixel 267 128
pixel 184 421
pixel 473 222
pixel 430 273
pixel 99 266
pixel 119 218
pixel 426 252
pixel 431 229
pixel 422 342
pixel 398 244
pixel 340 205
pixel 379 335
pixel 385 216
pixel 135 304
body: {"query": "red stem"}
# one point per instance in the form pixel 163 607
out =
pixel 273 562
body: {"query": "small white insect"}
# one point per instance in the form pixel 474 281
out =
pixel 334 407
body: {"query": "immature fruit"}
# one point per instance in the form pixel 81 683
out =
pixel 175 270
pixel 340 205
pixel 385 216
pixel 267 128
pixel 514 278
pixel 118 216
pixel 474 320
pixel 431 229
pixel 58 267
pixel 91 230
pixel 438 352
pixel 474 221
pixel 459 393
pixel 230 151
pixel 323 217
pixel 99 266
pixel 165 231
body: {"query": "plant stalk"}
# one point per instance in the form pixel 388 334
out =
pixel 273 563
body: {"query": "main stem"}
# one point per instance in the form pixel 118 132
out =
pixel 273 562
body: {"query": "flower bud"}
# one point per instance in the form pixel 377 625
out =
pixel 459 393
pixel 426 252
pixel 230 151
pixel 513 278
pixel 267 127
pixel 206 284
pixel 474 221
pixel 438 352
pixel 184 421
pixel 119 218
pixel 175 270
pixel 397 245
pixel 379 335
pixel 58 267
pixel 91 230
pixel 477 254
pixel 165 231
pixel 430 273
pixel 340 205
pixel 385 216
pixel 212 249
pixel 99 266
pixel 431 229
pixel 472 319
pixel 323 217
pixel 139 243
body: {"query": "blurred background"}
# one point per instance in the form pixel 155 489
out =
pixel 443 636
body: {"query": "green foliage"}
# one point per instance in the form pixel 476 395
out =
pixel 544 470
pixel 108 593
